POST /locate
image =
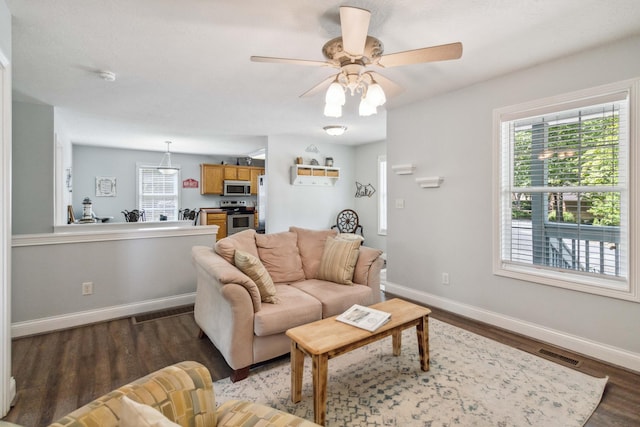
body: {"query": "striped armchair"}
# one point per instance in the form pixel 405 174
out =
pixel 184 394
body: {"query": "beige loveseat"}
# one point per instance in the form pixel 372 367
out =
pixel 232 312
pixel 182 393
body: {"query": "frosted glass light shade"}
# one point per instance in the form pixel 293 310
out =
pixel 375 95
pixel 335 94
pixel 332 110
pixel 366 109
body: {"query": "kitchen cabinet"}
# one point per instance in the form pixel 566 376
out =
pixel 216 218
pixel 255 173
pixel 237 173
pixel 211 178
pixel 314 175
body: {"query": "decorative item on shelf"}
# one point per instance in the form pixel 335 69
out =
pixel 328 162
pixel 71 217
pixel 165 167
pixel 314 162
pixel 406 169
pixel 298 160
pixel 430 181
pixel 312 149
pixel 364 190
pixel 87 212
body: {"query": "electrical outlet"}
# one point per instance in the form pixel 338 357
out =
pixel 399 203
pixel 445 278
pixel 87 288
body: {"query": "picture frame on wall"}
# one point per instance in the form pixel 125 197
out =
pixel 105 186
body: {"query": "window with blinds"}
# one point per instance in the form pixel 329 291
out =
pixel 158 193
pixel 564 192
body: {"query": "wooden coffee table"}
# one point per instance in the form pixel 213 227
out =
pixel 328 338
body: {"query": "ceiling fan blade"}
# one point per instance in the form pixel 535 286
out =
pixel 319 87
pixel 355 25
pixel 427 54
pixel 390 87
pixel 292 61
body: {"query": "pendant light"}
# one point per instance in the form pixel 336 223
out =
pixel 165 167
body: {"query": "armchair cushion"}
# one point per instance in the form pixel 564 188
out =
pixel 136 414
pixel 279 254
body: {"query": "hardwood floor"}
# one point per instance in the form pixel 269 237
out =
pixel 60 371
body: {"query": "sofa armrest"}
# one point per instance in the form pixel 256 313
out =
pixel 223 272
pixel 182 392
pixel 367 269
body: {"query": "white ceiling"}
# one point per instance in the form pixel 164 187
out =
pixel 183 69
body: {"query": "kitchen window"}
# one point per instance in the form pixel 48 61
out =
pixel 158 194
pixel 567 191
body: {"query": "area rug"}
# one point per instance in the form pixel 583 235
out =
pixel 472 381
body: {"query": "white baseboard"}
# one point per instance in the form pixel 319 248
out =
pixel 53 323
pixel 604 352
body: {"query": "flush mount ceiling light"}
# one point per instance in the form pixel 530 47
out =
pixel 352 53
pixel 165 167
pixel 335 130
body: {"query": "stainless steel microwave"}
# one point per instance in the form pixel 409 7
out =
pixel 236 188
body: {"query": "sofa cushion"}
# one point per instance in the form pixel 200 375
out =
pixel 296 308
pixel 280 256
pixel 240 413
pixel 338 260
pixel 335 298
pixel 311 246
pixel 136 414
pixel 244 241
pixel 252 267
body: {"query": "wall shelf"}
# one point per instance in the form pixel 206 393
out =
pixel 430 181
pixel 314 175
pixel 403 169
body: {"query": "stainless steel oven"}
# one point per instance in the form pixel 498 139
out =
pixel 237 222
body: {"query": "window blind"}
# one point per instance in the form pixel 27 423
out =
pixel 158 194
pixel 564 202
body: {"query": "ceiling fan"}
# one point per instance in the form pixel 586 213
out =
pixel 352 53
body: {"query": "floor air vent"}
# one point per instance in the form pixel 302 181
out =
pixel 147 317
pixel 559 357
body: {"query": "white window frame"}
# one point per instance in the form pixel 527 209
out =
pixel 627 289
pixel 382 195
pixel 139 167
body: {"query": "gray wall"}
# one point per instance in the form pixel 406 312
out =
pixel 90 162
pixel 314 207
pixel 450 229
pixel 367 207
pixel 33 162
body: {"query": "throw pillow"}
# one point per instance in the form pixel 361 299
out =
pixel 311 246
pixel 280 256
pixel 134 414
pixel 339 260
pixel 252 267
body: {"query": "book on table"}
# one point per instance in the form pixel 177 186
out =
pixel 364 317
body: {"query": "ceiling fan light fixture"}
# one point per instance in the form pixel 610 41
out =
pixel 375 95
pixel 335 94
pixel 333 110
pixel 366 108
pixel 165 167
pixel 335 130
